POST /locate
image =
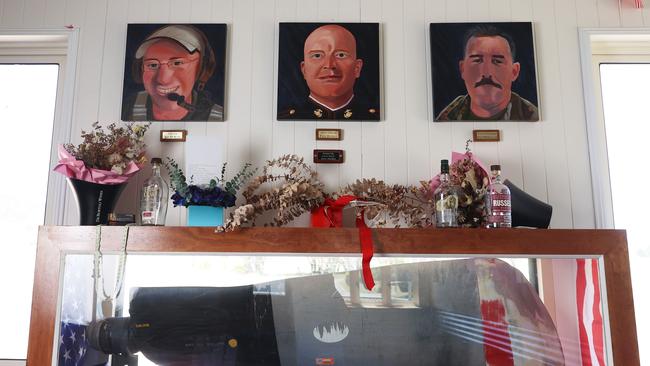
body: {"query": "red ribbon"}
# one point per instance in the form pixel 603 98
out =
pixel 367 251
pixel 330 214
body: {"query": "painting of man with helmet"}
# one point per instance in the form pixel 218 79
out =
pixel 174 72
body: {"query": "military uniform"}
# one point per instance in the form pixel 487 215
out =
pixel 519 109
pixel 312 110
pixel 139 108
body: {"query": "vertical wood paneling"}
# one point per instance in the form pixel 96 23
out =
pixel 608 13
pixel 394 104
pixel 262 94
pixel 574 118
pixel 34 13
pixel 54 13
pixel 522 10
pixel 553 127
pixel 587 13
pixel 415 92
pixel 284 132
pixel 372 133
pixel 12 13
pixel 239 129
pixel 531 143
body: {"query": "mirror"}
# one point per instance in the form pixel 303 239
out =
pixel 260 309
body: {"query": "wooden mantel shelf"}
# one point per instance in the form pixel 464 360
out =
pixel 608 245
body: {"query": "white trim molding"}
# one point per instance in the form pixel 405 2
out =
pixel 603 41
pixel 61 45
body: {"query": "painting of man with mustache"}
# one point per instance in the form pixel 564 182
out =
pixel 496 67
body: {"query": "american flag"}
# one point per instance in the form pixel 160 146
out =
pixel 76 313
pixel 590 317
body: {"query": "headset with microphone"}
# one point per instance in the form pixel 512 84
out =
pixel 206 68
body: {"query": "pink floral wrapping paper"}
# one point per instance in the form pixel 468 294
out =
pixel 456 156
pixel 72 168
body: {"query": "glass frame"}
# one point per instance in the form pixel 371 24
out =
pixel 608 246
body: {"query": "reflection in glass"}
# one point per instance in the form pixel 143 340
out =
pixel 272 310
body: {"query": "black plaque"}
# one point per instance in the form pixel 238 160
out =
pixel 328 156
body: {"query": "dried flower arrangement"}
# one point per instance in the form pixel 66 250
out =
pixel 105 157
pixel 218 193
pixel 399 205
pixel 292 189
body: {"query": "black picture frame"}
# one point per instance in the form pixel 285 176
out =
pixel 447 49
pixel 292 97
pixel 216 35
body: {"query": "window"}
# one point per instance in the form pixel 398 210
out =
pixel 35 110
pixel 616 70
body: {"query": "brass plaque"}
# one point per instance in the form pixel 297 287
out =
pixel 173 135
pixel 486 135
pixel 331 134
pixel 328 156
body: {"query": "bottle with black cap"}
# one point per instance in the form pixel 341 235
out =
pixel 445 198
pixel 497 201
pixel 153 197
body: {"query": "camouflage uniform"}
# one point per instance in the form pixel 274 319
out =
pixel 519 109
pixel 139 108
pixel 311 110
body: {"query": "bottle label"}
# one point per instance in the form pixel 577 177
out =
pixel 147 214
pixel 500 203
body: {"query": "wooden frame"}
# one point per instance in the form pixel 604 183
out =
pixel 609 246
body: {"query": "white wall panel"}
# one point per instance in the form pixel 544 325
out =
pixel 395 138
pixel 12 13
pixel 548 159
pixel 373 133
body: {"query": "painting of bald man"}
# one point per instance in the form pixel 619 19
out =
pixel 483 72
pixel 328 71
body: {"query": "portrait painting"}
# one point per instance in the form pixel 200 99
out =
pixel 328 71
pixel 174 72
pixel 483 72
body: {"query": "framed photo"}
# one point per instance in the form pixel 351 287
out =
pixel 483 72
pixel 328 71
pixel 174 72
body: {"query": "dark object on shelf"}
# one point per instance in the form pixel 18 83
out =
pixel 95 201
pixel 120 219
pixel 527 210
pixel 317 319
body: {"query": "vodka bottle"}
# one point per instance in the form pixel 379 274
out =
pixel 446 199
pixel 498 201
pixel 153 198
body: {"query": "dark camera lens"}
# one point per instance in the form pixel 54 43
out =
pixel 111 335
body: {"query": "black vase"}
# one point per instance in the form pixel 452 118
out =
pixel 95 201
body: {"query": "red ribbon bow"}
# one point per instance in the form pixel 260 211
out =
pixel 330 214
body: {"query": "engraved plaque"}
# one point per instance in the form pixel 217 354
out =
pixel 173 135
pixel 328 156
pixel 331 134
pixel 486 135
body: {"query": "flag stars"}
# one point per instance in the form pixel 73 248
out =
pixel 72 337
pixel 66 355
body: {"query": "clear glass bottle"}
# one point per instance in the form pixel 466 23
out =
pixel 445 198
pixel 497 201
pixel 153 197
